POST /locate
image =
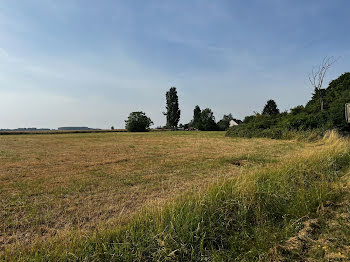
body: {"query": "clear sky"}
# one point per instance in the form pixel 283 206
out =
pixel 91 63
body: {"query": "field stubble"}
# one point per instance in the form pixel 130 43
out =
pixel 52 185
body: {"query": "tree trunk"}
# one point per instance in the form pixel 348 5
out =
pixel 321 103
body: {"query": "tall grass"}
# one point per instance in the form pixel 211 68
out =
pixel 239 219
pixel 275 133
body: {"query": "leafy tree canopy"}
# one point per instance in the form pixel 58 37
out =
pixel 270 108
pixel 224 123
pixel 138 122
pixel 172 106
pixel 196 117
pixel 207 121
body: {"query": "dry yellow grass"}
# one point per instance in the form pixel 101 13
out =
pixel 51 184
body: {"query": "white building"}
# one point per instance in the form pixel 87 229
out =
pixel 233 123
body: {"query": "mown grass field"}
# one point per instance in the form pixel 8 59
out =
pixel 50 184
pixel 174 196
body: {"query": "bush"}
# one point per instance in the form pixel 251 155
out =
pixel 138 122
pixel 244 130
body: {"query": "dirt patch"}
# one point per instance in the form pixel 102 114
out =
pixel 323 239
pixel 239 162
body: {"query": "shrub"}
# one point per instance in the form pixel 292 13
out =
pixel 138 122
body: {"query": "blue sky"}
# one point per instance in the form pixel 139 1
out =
pixel 91 63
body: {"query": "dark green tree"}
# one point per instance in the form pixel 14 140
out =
pixel 196 117
pixel 172 107
pixel 138 122
pixel 270 108
pixel 224 123
pixel 319 94
pixel 207 122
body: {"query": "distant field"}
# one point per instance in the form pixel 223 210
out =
pixel 54 132
pixel 52 185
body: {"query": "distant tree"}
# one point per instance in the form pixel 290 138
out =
pixel 112 128
pixel 317 76
pixel 224 123
pixel 270 108
pixel 172 107
pixel 196 117
pixel 138 122
pixel 297 110
pixel 207 121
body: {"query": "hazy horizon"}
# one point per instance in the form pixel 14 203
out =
pixel 90 63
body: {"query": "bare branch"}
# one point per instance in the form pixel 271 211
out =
pixel 316 77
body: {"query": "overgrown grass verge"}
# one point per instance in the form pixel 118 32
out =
pixel 245 130
pixel 239 219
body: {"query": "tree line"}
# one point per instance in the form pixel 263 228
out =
pixel 203 120
pixel 324 111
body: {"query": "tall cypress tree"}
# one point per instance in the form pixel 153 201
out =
pixel 172 107
pixel 196 117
